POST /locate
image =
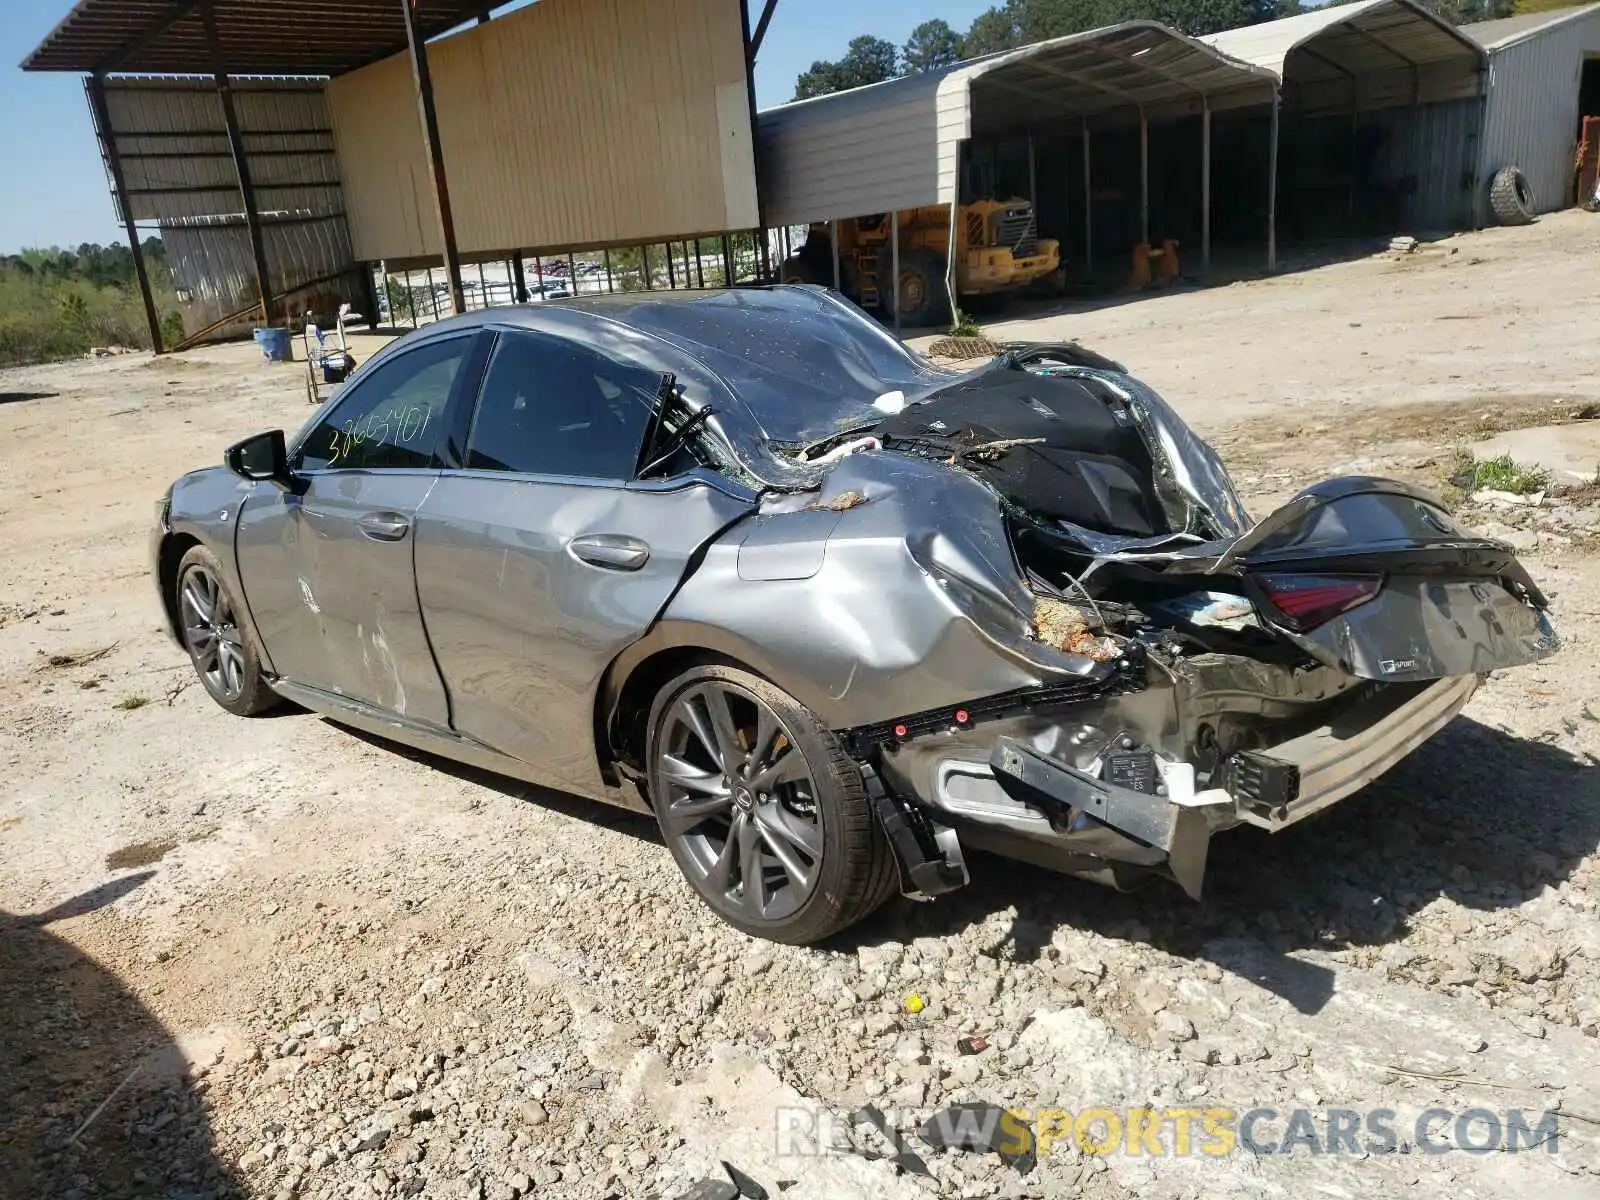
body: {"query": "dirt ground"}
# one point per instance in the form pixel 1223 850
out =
pixel 276 958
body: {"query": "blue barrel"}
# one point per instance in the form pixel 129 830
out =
pixel 275 344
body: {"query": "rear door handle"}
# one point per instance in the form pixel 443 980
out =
pixel 612 551
pixel 384 526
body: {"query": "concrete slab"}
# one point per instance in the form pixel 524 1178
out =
pixel 1571 453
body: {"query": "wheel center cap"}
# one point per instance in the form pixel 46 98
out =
pixel 743 798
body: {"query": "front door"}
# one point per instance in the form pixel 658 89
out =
pixel 542 559
pixel 330 571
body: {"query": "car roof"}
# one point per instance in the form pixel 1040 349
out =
pixel 804 362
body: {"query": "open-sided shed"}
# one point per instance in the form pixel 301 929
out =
pixel 560 121
pixel 904 144
pixel 1382 111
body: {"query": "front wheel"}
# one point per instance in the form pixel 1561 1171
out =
pixel 224 657
pixel 766 815
pixel 924 302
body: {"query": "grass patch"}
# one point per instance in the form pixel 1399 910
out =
pixel 129 703
pixel 1504 475
pixel 964 326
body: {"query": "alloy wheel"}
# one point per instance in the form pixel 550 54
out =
pixel 211 631
pixel 739 801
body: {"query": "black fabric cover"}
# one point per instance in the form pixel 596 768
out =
pixel 1091 468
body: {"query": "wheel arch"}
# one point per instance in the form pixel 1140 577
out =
pixel 630 684
pixel 174 545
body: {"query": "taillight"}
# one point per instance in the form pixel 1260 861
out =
pixel 1307 601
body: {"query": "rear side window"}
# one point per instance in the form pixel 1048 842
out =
pixel 392 417
pixel 553 407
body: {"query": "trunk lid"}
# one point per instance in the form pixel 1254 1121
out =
pixel 1375 577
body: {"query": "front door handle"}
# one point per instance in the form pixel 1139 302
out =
pixel 612 551
pixel 384 526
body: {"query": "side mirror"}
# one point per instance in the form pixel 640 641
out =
pixel 263 458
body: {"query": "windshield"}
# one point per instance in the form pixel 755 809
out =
pixel 805 363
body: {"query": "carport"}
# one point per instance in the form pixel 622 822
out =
pixel 1382 109
pixel 932 139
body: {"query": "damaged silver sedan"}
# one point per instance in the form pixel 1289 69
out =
pixel 742 561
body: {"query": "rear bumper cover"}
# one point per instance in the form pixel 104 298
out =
pixel 1046 800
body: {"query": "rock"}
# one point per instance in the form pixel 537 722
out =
pixel 965 1072
pixel 1532 956
pixel 399 1087
pixel 1174 1028
pixel 532 1113
pixel 911 1049
pixel 371 1139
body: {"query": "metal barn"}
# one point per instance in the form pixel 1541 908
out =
pixel 1544 71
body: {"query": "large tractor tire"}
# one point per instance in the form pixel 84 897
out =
pixel 797 268
pixel 1510 198
pixel 921 295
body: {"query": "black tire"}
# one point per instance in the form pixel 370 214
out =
pixel 1510 198
pixel 922 287
pixel 853 870
pixel 797 268
pixel 224 657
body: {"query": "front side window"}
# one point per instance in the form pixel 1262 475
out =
pixel 553 407
pixel 392 417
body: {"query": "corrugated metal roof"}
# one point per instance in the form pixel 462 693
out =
pixel 1494 34
pixel 258 37
pixel 1139 64
pixel 1341 40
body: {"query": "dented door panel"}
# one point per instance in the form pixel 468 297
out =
pixel 523 625
pixel 336 606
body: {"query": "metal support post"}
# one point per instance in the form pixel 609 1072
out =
pixel 1205 185
pixel 108 146
pixel 1033 179
pixel 894 267
pixel 430 137
pixel 241 163
pixel 833 239
pixel 520 278
pixel 1144 179
pixel 1088 207
pixel 1272 189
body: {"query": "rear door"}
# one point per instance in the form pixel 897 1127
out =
pixel 540 557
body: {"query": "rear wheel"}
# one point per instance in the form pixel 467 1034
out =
pixel 922 293
pixel 764 812
pixel 224 657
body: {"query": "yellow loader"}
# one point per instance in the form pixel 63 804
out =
pixel 998 249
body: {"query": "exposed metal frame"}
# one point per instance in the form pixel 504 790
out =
pixel 1272 185
pixel 430 137
pixel 760 33
pixel 894 266
pixel 1088 206
pixel 241 164
pixel 96 85
pixel 1205 185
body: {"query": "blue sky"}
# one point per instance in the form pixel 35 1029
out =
pixel 53 188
